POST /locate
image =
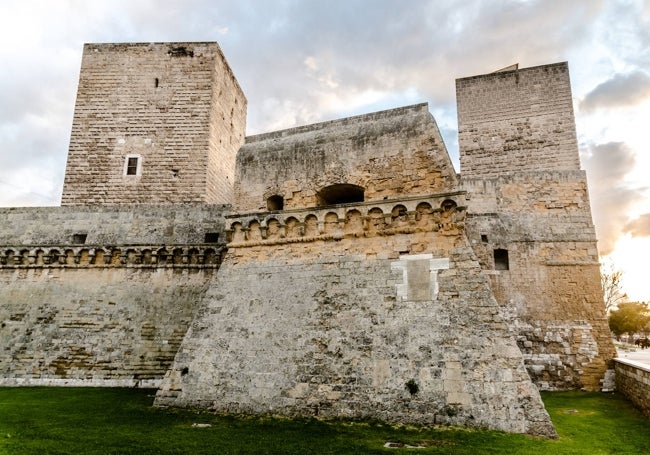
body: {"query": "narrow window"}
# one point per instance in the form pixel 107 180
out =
pixel 484 238
pixel 157 82
pixel 275 203
pixel 501 261
pixel 79 239
pixel 133 165
pixel 211 237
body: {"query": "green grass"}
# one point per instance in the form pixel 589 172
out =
pixel 121 421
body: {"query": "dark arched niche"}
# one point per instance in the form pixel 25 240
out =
pixel 340 193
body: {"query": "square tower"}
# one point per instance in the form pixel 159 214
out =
pixel 529 220
pixel 154 123
pixel 517 120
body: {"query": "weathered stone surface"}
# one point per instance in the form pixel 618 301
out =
pixel 393 153
pixel 527 196
pixel 339 325
pixel 176 107
pixel 633 381
pixel 111 225
pixel 362 276
pixel 109 327
pixel 512 121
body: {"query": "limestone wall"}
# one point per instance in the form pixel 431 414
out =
pixel 356 313
pixel 107 326
pixel 516 121
pixel 174 107
pixel 529 220
pixel 388 154
pixel 633 381
pixel 110 308
pixel 103 226
pixel 551 290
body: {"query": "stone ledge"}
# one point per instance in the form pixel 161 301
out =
pixel 440 212
pixel 633 363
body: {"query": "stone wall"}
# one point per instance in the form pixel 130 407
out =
pixel 529 220
pixel 110 308
pixel 388 154
pixel 512 121
pixel 633 381
pixel 365 310
pixel 174 107
pixel 101 326
pixel 103 226
pixel 550 290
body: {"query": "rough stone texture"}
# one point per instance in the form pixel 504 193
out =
pixel 513 120
pixel 175 105
pixel 94 326
pixel 391 153
pixel 360 277
pixel 111 310
pixel 520 166
pixel 633 381
pixel 111 225
pixel 337 319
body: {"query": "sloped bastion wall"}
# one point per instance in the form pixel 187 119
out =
pixel 375 310
pixel 356 293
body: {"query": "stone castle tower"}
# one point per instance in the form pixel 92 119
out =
pixel 154 123
pixel 529 219
pixel 336 269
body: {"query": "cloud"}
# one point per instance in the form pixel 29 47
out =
pixel 298 61
pixel 639 227
pixel 607 166
pixel 621 90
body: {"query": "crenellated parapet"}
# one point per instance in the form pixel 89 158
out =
pixel 444 213
pixel 200 256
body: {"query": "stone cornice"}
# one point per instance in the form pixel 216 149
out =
pixel 81 256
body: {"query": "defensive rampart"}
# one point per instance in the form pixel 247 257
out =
pixel 548 283
pixel 101 296
pixel 374 309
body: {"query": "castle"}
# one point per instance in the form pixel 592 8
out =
pixel 336 269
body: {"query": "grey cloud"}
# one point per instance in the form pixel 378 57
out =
pixel 639 227
pixel 607 166
pixel 380 47
pixel 621 90
pixel 609 163
pixel 385 47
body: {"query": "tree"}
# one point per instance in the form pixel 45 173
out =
pixel 610 279
pixel 630 318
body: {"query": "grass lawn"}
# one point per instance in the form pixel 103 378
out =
pixel 119 421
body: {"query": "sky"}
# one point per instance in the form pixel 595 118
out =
pixel 304 61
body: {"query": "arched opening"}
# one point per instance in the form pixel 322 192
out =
pixel 293 227
pixel 210 256
pixel 399 214
pixel 177 256
pixel 448 204
pixel 272 228
pixel 340 193
pixel 274 202
pixel 193 256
